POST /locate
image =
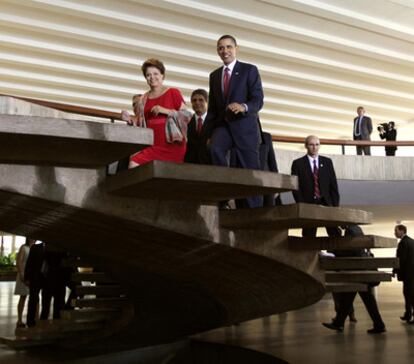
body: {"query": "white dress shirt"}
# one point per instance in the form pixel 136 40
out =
pixel 230 67
pixel 311 159
pixel 358 126
pixel 203 117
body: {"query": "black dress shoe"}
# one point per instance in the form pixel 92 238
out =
pixel 352 318
pixel 376 330
pixel 411 322
pixel 333 326
pixel 405 318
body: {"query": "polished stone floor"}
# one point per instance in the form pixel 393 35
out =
pixel 296 337
pixel 299 338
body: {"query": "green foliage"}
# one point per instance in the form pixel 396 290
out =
pixel 8 260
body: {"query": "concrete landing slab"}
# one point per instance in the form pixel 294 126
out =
pixel 346 287
pixel 37 140
pixel 358 276
pixel 358 263
pixel 342 243
pixel 173 181
pixel 292 216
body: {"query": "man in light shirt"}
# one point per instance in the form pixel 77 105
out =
pixel 362 130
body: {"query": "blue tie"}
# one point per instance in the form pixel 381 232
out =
pixel 358 126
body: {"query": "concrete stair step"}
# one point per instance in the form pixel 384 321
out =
pixel 20 343
pixel 75 143
pixel 55 329
pixel 342 243
pixel 104 290
pixel 292 216
pixel 88 313
pixel 98 277
pixel 77 263
pixel 201 183
pixel 113 302
pixel 358 263
pixel 346 287
pixel 357 276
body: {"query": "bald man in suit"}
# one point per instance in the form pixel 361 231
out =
pixel 317 182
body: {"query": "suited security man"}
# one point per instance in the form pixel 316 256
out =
pixel 344 300
pixel 362 130
pixel 405 273
pixel 317 182
pixel 268 163
pixel 235 98
pixel 35 279
pixel 197 151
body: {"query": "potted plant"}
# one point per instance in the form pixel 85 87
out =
pixel 8 267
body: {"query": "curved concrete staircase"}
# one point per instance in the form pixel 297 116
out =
pixel 176 265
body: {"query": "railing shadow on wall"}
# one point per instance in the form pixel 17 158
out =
pixel 112 116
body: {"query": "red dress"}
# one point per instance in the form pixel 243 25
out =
pixel 161 150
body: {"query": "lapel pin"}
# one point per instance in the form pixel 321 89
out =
pixel 321 165
pixel 237 73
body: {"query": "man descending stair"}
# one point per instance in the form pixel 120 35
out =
pixel 345 300
pixel 317 182
pixel 405 252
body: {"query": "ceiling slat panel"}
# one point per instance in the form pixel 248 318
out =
pixel 318 59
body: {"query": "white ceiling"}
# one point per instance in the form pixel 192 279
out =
pixel 319 60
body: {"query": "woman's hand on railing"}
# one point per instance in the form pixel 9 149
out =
pixel 126 117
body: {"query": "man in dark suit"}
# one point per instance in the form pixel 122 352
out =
pixel 235 98
pixel 268 163
pixel 344 300
pixel 196 137
pixel 54 286
pixel 405 273
pixel 317 182
pixel 35 279
pixel 362 130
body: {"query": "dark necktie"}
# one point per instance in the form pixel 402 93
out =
pixel 199 124
pixel 226 82
pixel 316 191
pixel 358 127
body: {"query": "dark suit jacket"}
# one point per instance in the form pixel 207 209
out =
pixel 328 185
pixel 405 252
pixel 268 163
pixel 366 128
pixel 32 271
pixel 390 135
pixel 197 151
pixel 352 230
pixel 245 88
pixel 267 154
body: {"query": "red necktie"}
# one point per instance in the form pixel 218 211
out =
pixel 316 191
pixel 226 82
pixel 199 124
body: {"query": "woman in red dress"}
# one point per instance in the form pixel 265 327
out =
pixel 158 103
